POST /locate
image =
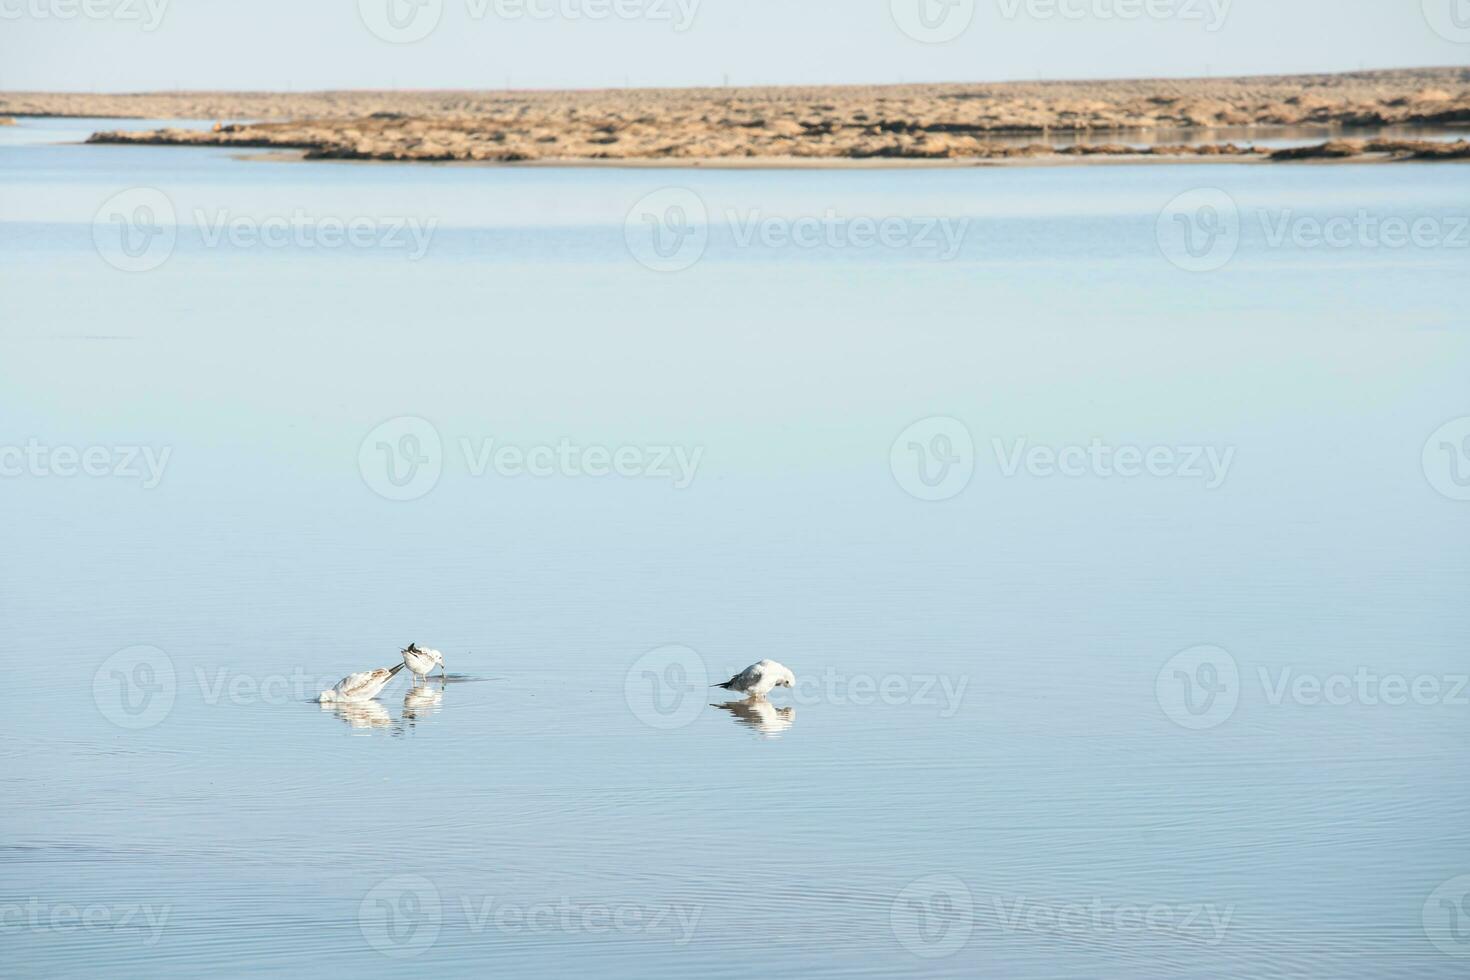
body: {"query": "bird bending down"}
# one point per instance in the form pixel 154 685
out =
pixel 421 660
pixel 760 679
pixel 362 686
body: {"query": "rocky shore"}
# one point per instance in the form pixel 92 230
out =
pixel 828 124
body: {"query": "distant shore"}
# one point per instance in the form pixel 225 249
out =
pixel 955 124
pixel 1337 151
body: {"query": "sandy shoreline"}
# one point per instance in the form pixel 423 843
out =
pixel 810 127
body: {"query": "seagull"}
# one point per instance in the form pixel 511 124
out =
pixel 421 660
pixel 362 686
pixel 760 679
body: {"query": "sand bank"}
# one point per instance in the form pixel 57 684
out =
pixel 823 126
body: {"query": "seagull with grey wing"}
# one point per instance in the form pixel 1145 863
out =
pixel 758 680
pixel 421 660
pixel 362 686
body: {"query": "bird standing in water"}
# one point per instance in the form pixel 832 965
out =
pixel 760 679
pixel 421 660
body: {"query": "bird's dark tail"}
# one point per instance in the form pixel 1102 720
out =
pixel 728 685
pixel 394 670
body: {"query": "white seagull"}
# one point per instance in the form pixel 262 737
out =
pixel 363 686
pixel 760 679
pixel 421 660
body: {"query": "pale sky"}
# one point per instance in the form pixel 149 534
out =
pixel 131 45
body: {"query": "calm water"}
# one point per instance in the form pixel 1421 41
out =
pixel 1049 725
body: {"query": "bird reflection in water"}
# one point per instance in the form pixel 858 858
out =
pixel 422 701
pixel 760 714
pixel 359 714
pixel 419 704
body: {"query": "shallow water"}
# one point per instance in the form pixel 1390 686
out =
pixel 995 764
